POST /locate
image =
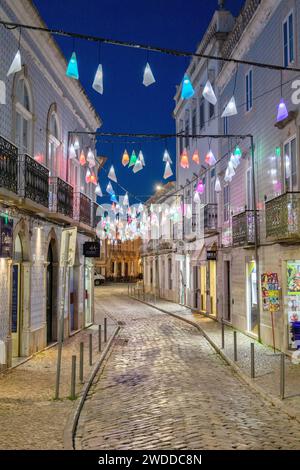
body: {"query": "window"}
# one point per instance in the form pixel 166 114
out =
pixel 249 197
pixel 211 107
pixel 288 40
pixel 226 203
pixel 194 122
pixel 187 129
pixel 170 273
pixel 23 110
pixel 225 125
pixel 202 114
pixel 180 138
pixel 249 90
pixel 53 143
pixel 290 165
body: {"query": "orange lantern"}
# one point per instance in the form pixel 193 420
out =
pixel 184 159
pixel 196 157
pixel 82 159
pixel 125 158
pixel 93 178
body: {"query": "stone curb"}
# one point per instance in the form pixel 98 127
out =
pixel 273 400
pixel 73 418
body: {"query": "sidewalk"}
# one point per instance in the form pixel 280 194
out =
pixel 267 364
pixel 29 417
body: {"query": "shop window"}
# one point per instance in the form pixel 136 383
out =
pixel 290 165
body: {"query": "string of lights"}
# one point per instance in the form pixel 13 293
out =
pixel 147 47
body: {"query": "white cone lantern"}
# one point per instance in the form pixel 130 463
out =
pixel 168 171
pixel 126 200
pixel 138 166
pixel 16 65
pixel 72 152
pixel 229 174
pixel 197 197
pixel 109 188
pixel 230 109
pixel 218 188
pixel 166 157
pixel 141 158
pixel 209 94
pixel 98 190
pixel 98 80
pixel 112 174
pixel 148 76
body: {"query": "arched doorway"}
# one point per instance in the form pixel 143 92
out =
pixel 74 290
pixel 51 292
pixel 16 305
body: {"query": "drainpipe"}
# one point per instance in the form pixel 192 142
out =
pixel 256 238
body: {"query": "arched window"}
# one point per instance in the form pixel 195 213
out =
pixel 53 142
pixel 18 249
pixel 24 115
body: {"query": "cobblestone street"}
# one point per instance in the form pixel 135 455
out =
pixel 164 387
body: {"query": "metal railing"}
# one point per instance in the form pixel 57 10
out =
pixel 33 180
pixel 8 165
pixel 210 217
pixel 283 217
pixel 82 209
pixel 61 197
pixel 243 228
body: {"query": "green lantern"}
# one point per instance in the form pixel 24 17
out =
pixel 133 159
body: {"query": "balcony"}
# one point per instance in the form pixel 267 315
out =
pixel 243 228
pixel 95 218
pixel 33 180
pixel 60 197
pixel 82 209
pixel 283 217
pixel 210 218
pixel 8 166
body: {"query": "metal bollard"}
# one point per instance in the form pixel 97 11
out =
pixel 90 349
pixel 223 334
pixel 235 346
pixel 282 375
pixel 252 361
pixel 105 330
pixel 81 363
pixel 73 379
pixel 99 337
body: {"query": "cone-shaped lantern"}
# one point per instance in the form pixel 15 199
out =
pixel 93 178
pixel 148 78
pixel 229 174
pixel 168 171
pixel 98 190
pixel 125 158
pixel 218 188
pixel 230 109
pixel 282 112
pixel 126 200
pixel 210 158
pixel 196 157
pixel 76 144
pixel 141 207
pixel 234 160
pixel 138 166
pixel 237 151
pixel 82 159
pixel 88 176
pixel 2 92
pixel 184 159
pixel 98 80
pixel 133 159
pixel 200 187
pixel 187 90
pixel 188 212
pixel 109 188
pixel 72 69
pixel 209 94
pixel 141 158
pixel 113 198
pixel 72 152
pixel 16 65
pixel 197 197
pixel 166 157
pixel 112 174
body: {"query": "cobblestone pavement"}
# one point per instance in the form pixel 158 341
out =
pixel 164 387
pixel 29 417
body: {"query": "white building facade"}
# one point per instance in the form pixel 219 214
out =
pixel 41 190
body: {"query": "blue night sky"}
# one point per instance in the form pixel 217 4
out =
pixel 126 105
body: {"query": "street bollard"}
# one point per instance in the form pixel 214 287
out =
pixel 282 375
pixel 90 349
pixel 99 338
pixel 223 334
pixel 73 379
pixel 81 362
pixel 235 346
pixel 105 330
pixel 128 289
pixel 252 361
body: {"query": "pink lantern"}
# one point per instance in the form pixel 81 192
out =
pixel 200 187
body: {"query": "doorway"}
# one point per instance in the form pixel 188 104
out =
pixel 227 291
pixel 212 287
pixel 252 319
pixel 196 288
pixel 203 287
pixel 16 307
pixel 49 302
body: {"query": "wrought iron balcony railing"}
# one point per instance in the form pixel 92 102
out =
pixel 33 180
pixel 60 196
pixel 8 165
pixel 82 209
pixel 283 217
pixel 210 217
pixel 243 228
pixel 95 218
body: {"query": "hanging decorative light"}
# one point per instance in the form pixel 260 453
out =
pixel 125 158
pixel 196 157
pixel 112 174
pixel 2 92
pixel 72 69
pixel 93 178
pixel 141 207
pixel 16 65
pixel 148 78
pixel 126 200
pixel 235 161
pixel 90 156
pixel 229 174
pixel 141 158
pixel 210 158
pixel 98 190
pixel 88 176
pixel 109 188
pixel 137 166
pixel 168 171
pixel 133 159
pixel 230 109
pixel 184 159
pixel 197 197
pixel 113 198
pixel 98 80
pixel 166 157
pixel 82 159
pixel 209 94
pixel 282 112
pixel 237 151
pixel 187 90
pixel 200 187
pixel 218 188
pixel 72 152
pixel 188 211
pixel 76 144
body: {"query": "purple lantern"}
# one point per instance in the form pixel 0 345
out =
pixel 282 112
pixel 200 187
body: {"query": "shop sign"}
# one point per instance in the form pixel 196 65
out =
pixel 211 255
pixel 6 237
pixel 270 292
pixel 91 249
